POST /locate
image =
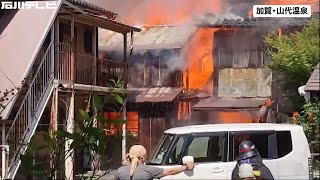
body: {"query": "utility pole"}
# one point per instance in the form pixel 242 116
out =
pixel 124 108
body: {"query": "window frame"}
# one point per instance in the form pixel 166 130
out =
pixel 291 143
pixel 88 36
pixel 160 144
pixel 173 148
pixel 272 142
pixel 188 141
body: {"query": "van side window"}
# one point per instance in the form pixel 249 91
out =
pixel 162 148
pixel 207 148
pixel 176 154
pixel 262 141
pixel 199 148
pixel 284 143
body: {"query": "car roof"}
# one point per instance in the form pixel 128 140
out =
pixel 231 127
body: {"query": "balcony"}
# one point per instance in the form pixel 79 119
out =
pixel 85 69
pixel 109 69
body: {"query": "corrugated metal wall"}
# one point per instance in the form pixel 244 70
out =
pixel 244 82
pixel 238 67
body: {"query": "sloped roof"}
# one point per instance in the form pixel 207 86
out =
pixel 229 103
pixel 89 7
pixel 151 37
pixel 313 83
pixel 155 94
pixel 96 16
pixel 210 20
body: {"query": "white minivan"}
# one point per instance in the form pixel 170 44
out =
pixel 215 148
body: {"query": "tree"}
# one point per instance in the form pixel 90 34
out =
pixel 310 120
pixel 295 55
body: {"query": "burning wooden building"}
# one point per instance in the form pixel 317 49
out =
pixel 214 70
pixel 242 83
pixel 156 67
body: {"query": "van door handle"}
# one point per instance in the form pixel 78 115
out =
pixel 217 170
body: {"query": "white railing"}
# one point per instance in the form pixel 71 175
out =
pixel 30 110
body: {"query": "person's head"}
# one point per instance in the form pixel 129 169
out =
pixel 247 150
pixel 137 154
pixel 246 172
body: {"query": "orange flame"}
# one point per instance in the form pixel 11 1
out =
pixel 200 57
pixel 165 12
pixel 199 50
pixel 235 117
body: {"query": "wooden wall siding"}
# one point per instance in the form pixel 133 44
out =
pixel 108 69
pixel 151 75
pixel 244 82
pixel 238 49
pixel 85 69
pixel 150 131
pixel 225 58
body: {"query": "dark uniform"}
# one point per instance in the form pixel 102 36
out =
pixel 249 154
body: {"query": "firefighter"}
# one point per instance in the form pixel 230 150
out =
pixel 249 154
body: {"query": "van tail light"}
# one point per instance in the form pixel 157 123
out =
pixel 310 168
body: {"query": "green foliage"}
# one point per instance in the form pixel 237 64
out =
pixel 310 120
pixel 295 55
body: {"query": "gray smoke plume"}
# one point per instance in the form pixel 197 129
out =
pixel 202 12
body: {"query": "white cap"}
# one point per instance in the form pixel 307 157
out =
pixel 245 171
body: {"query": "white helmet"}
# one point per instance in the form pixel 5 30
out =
pixel 246 171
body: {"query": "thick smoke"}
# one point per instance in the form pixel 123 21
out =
pixel 185 13
pixel 172 59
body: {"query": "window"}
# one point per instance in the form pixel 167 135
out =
pixel 207 148
pixel 88 41
pixel 284 143
pixel 199 148
pixel 64 32
pixel 263 141
pixel 177 151
pixel 162 149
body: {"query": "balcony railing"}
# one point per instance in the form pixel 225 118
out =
pixel 78 68
pixel 109 69
pixel 85 69
pixel 64 65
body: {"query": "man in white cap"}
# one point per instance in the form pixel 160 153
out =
pixel 135 168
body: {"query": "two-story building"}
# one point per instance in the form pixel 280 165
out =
pixel 49 67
